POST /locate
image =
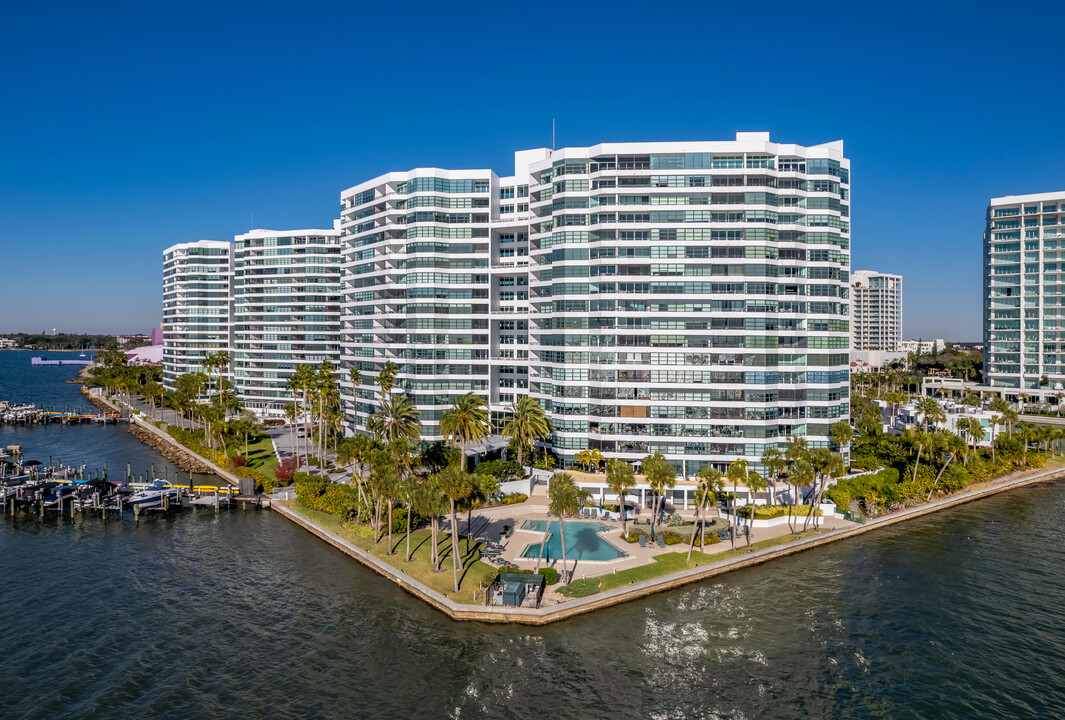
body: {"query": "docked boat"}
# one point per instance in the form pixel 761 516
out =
pixel 58 495
pixel 153 495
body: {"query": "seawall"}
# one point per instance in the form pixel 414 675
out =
pixel 580 606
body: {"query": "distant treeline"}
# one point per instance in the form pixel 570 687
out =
pixel 66 341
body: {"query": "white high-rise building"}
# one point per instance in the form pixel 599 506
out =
pixel 286 311
pixel 1024 293
pixel 688 298
pixel 197 312
pixel 876 310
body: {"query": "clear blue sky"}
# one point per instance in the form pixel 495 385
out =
pixel 127 127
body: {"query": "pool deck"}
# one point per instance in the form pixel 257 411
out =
pixel 488 523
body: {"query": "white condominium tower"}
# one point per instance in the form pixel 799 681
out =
pixel 1024 293
pixel 286 311
pixel 196 305
pixel 690 298
pixel 876 310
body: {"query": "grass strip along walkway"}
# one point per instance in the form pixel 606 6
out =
pixel 666 564
pixel 472 578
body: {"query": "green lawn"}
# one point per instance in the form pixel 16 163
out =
pixel 475 575
pixel 261 453
pixel 665 564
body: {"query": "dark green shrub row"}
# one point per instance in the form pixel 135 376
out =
pixel 550 574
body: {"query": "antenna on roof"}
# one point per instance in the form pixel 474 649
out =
pixel 552 134
pixel 252 221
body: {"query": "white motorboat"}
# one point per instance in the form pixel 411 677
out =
pixel 152 496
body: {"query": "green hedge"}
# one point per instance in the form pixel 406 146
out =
pixel 550 574
pixel 671 538
pixel 768 512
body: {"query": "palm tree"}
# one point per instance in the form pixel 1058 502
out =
pixel 297 383
pixel 431 502
pixel 408 490
pixel 382 482
pixel 356 379
pixel 291 413
pixel 527 423
pixel 932 412
pixel 620 478
pixel 1027 433
pixel 589 459
pixel 842 434
pixel 247 424
pixel 153 392
pixel 774 463
pixel 706 492
pixel 566 498
pixel 951 443
pixel 796 449
pixel 397 419
pixel 800 475
pixel 825 464
pixel 466 422
pixel 455 482
pixel 660 475
pixel 737 474
pixel 894 399
pixel 996 420
pixel 328 395
pixel 914 438
pixel 1010 416
pixel 755 484
pixel 973 431
pixel 386 379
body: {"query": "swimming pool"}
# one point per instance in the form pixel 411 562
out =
pixel 582 541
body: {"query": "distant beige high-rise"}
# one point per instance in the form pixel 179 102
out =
pixel 876 310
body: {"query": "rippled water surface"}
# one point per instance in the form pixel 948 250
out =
pixel 243 615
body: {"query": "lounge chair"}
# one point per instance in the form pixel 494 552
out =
pixel 643 541
pixel 661 541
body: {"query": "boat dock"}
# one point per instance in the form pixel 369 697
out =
pixel 30 488
pixel 32 415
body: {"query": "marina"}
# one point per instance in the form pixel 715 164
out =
pixel 12 414
pixel 30 488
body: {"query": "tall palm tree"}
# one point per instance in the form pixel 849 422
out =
pixel 356 380
pixel 565 498
pixel 386 379
pixel 1026 432
pixel 796 449
pixel 328 395
pixel 755 484
pixel 706 492
pixel 397 419
pixel 431 502
pixel 620 478
pixel 842 434
pixel 527 424
pixel 800 475
pixel 952 444
pixel 825 464
pixel 774 463
pixel 466 422
pixel 455 482
pixel 661 475
pixel 932 412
